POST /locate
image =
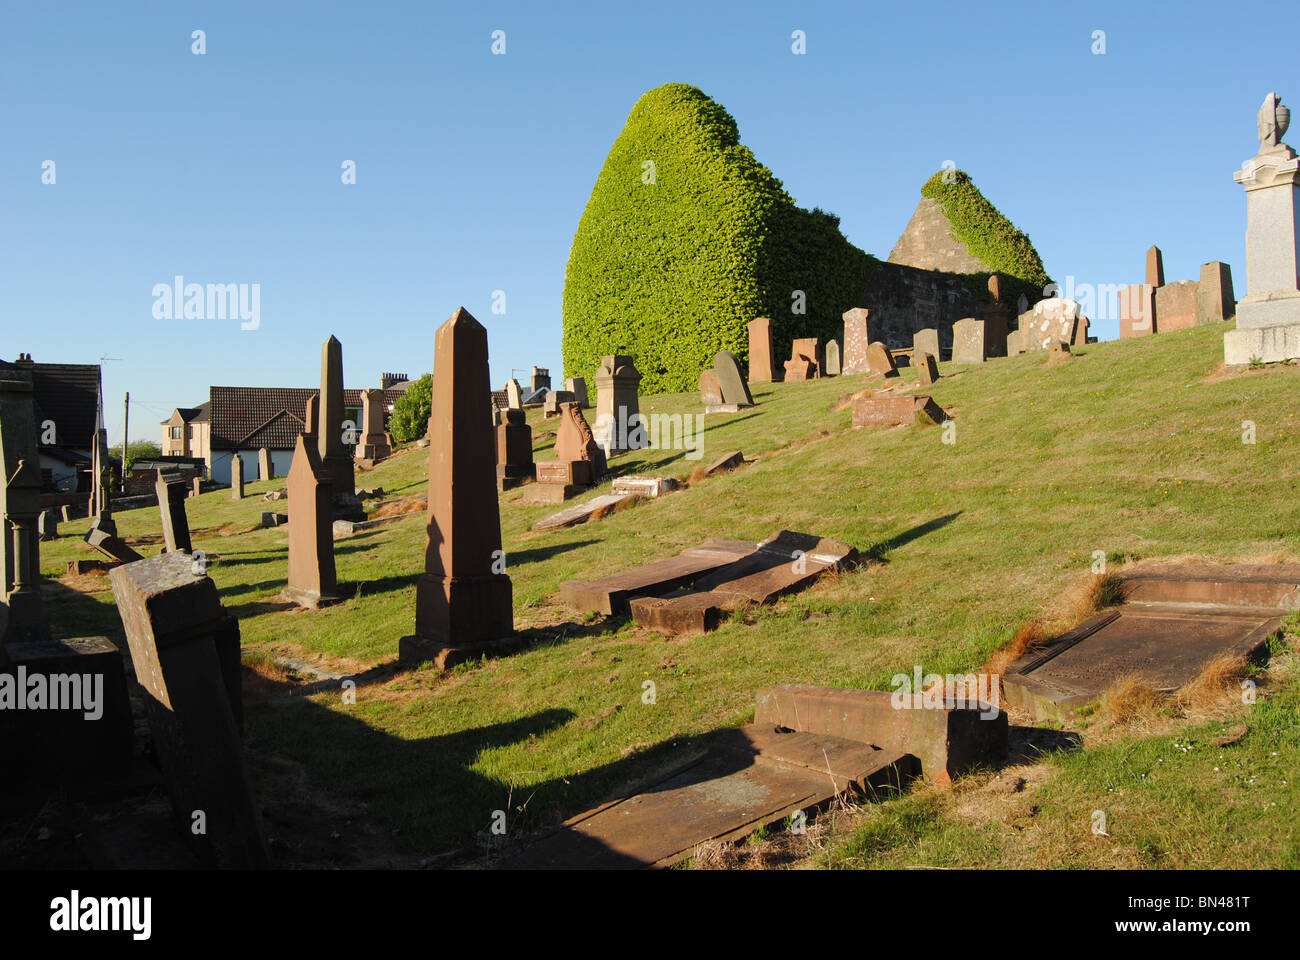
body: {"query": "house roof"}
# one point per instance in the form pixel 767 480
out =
pixel 197 414
pixel 246 418
pixel 68 394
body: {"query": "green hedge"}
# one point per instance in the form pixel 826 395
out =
pixel 990 237
pixel 671 272
pixel 410 417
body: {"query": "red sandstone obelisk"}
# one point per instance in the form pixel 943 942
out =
pixel 463 601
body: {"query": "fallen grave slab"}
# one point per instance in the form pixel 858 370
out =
pixel 750 777
pixel 785 563
pixel 581 512
pixel 610 595
pixel 1173 623
pixel 730 462
pixel 111 546
pixel 645 486
pixel 889 411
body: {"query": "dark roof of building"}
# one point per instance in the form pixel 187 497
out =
pixel 67 394
pixel 197 414
pixel 246 418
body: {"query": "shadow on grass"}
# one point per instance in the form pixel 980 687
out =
pixel 880 551
pixel 1030 744
pixel 516 557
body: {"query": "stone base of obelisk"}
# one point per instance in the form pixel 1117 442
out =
pixel 459 619
pixel 308 599
pixel 1268 330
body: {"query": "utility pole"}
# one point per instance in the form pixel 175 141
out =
pixel 126 420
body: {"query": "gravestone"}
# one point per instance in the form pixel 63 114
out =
pixel 618 428
pixel 762 359
pixel 265 468
pixel 733 390
pixel 551 405
pixel 579 461
pixel 196 486
pixel 329 441
pixel 710 389
pixel 514 395
pixel 1176 305
pixel 1215 301
pixel 803 363
pixel 463 600
pixel 22 614
pixel 880 360
pixel 1268 316
pixel 926 341
pixel 1137 311
pixel 611 594
pixel 968 341
pixel 1155 268
pixel 927 368
pixel 311 419
pixel 1014 345
pixel 100 507
pixel 725 463
pixel 237 477
pixel 47 524
pixel 312 579
pixel 892 411
pixel 1054 318
pixel 514 450
pixel 832 358
pixel 578 387
pixel 374 441
pixel 185 650
pixel 68 512
pixel 170 488
pixel 857 337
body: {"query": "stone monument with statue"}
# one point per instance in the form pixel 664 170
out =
pixel 1268 316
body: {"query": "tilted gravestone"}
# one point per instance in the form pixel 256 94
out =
pixel 312 579
pixel 733 389
pixel 857 338
pixel 237 477
pixel 762 359
pixel 927 368
pixel 170 488
pixel 1215 301
pixel 880 360
pixel 185 649
pixel 265 468
pixel 463 602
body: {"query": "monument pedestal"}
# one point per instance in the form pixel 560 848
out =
pixel 459 619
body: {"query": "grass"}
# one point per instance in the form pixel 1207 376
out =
pixel 1131 448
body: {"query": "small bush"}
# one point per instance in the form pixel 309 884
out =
pixel 410 418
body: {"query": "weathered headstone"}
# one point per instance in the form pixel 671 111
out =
pixel 374 441
pixel 1014 345
pixel 927 369
pixel 185 650
pixel 68 513
pixel 734 391
pixel 968 341
pixel 22 614
pixel 47 524
pixel 1155 276
pixel 196 485
pixel 832 358
pixel 1176 305
pixel 578 387
pixel 514 395
pixel 237 477
pixel 926 341
pixel 804 362
pixel 1215 301
pixel 311 419
pixel 312 578
pixel 618 428
pixel 710 389
pixel 463 601
pixel 880 360
pixel 579 461
pixel 1137 311
pixel 170 488
pixel 265 468
pixel 1051 319
pixel 857 337
pixel 514 450
pixel 762 359
pixel 100 507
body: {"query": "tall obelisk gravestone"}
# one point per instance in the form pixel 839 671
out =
pixel 329 439
pixel 1268 317
pixel 463 602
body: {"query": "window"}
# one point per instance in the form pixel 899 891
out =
pixel 176 433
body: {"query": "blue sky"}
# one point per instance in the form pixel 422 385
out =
pixel 473 169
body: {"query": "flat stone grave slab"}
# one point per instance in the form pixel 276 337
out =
pixel 750 777
pixel 645 486
pixel 111 546
pixel 581 512
pixel 785 563
pixel 610 594
pixel 899 410
pixel 1173 623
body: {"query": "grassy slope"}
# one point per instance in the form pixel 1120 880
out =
pixel 1127 448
